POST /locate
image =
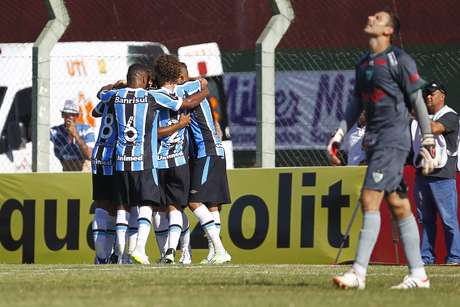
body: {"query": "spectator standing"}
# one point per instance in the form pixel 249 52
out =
pixel 73 143
pixel 437 193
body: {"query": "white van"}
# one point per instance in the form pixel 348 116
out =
pixel 78 70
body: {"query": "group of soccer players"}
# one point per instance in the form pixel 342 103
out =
pixel 157 153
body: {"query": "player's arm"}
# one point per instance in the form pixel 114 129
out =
pixel 184 121
pixel 98 109
pixel 421 114
pixel 113 86
pixel 194 100
pixel 411 84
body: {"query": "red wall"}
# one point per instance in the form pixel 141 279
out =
pixel 384 250
pixel 235 25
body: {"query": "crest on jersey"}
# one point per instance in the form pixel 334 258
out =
pixel 377 176
pixel 369 74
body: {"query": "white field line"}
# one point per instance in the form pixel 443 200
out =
pixel 311 270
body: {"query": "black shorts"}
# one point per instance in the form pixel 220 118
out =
pixel 208 181
pixel 137 188
pixel 385 169
pixel 103 187
pixel 174 185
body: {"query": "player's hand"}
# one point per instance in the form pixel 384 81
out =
pixel 119 84
pixel 333 147
pixel 429 144
pixel 428 162
pixel 184 120
pixel 204 86
pixel 427 154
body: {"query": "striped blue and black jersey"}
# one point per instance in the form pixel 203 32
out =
pixel 173 149
pixel 103 152
pixel 136 114
pixel 205 140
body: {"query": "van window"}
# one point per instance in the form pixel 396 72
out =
pixel 18 129
pixel 2 94
pixel 144 54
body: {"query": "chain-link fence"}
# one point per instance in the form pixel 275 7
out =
pixel 78 71
pixel 315 67
pixel 315 72
pixel 314 63
pixel 16 107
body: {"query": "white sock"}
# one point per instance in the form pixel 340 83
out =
pixel 175 228
pixel 216 218
pixel 100 232
pixel 207 224
pixel 211 251
pixel 145 222
pixel 185 234
pixel 110 237
pixel 132 229
pixel 160 225
pixel 121 229
pixel 410 238
pixel 367 239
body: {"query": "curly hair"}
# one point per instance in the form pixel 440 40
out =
pixel 167 69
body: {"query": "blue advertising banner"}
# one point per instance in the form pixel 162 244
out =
pixel 309 105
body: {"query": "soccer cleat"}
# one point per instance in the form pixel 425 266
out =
pixel 349 280
pixel 410 282
pixel 209 257
pixel 186 257
pixel 220 258
pixel 98 260
pixel 113 259
pixel 127 259
pixel 205 261
pixel 120 260
pixel 139 258
pixel 169 257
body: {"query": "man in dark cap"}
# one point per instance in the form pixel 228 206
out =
pixel 437 193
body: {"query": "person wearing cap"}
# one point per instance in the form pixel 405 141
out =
pixel 437 193
pixel 73 143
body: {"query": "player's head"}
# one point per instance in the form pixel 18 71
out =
pixel 167 69
pixel 383 23
pixel 183 73
pixel 152 80
pixel 434 94
pixel 138 76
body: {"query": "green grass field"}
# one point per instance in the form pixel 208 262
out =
pixel 226 285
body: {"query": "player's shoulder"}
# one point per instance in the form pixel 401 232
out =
pixel 106 95
pixel 364 58
pixel 161 94
pixel 189 84
pixel 140 92
pixel 397 55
